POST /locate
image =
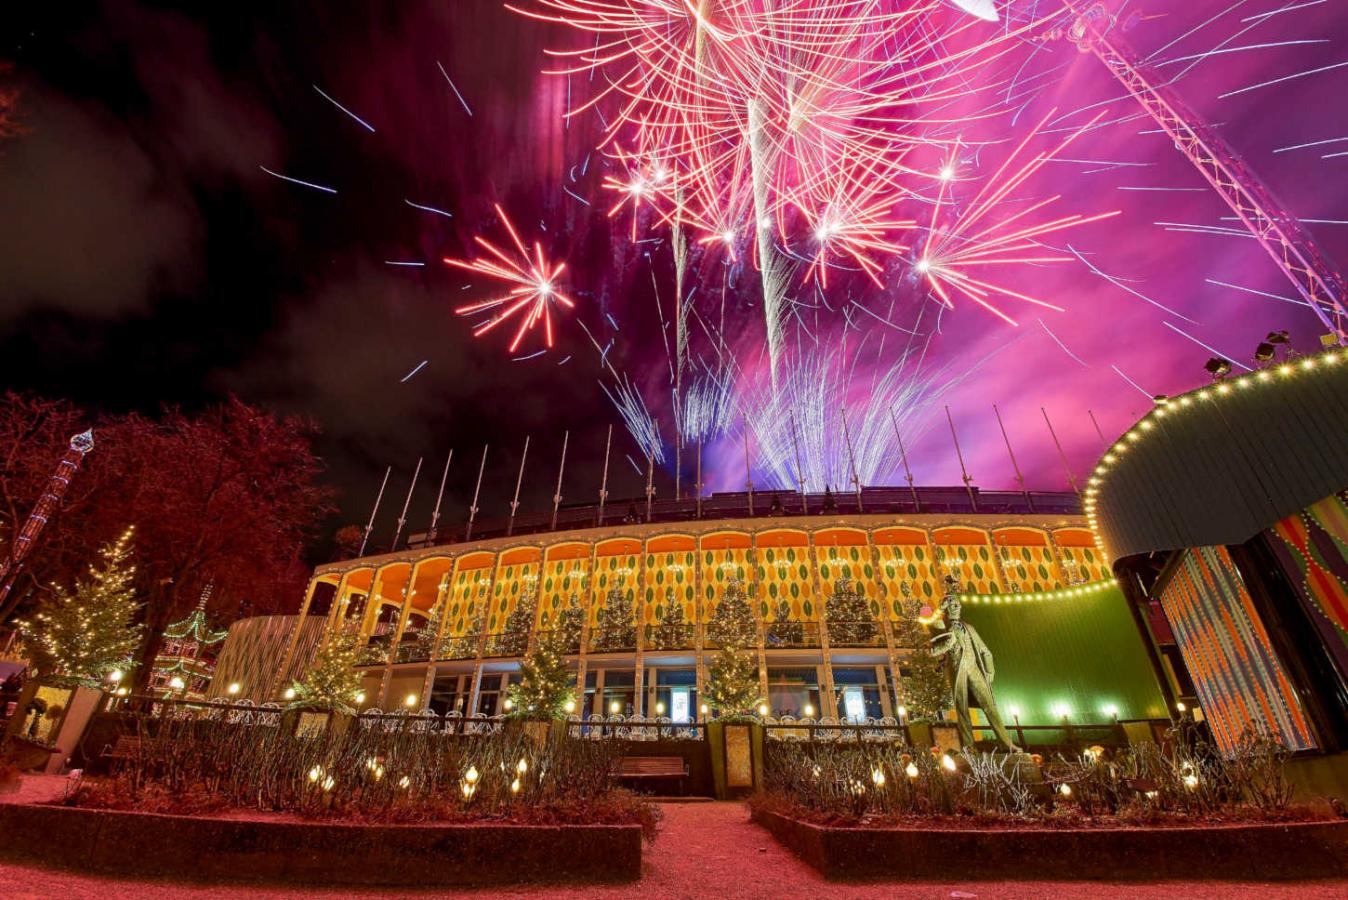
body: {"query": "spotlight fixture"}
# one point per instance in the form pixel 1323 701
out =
pixel 1329 341
pixel 1218 368
pixel 1278 337
pixel 1264 352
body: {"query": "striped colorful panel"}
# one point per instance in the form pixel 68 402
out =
pixel 910 566
pixel 784 574
pixel 718 568
pixel 512 582
pixel 1029 569
pixel 1238 676
pixel 467 600
pixel 1081 560
pixel 1313 548
pixel 665 573
pixel 562 579
pixel 620 570
pixel 972 565
pixel 849 562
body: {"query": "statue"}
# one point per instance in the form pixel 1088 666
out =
pixel 971 669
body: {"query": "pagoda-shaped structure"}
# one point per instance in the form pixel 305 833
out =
pixel 186 660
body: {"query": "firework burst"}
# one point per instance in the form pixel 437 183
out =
pixel 973 237
pixel 535 293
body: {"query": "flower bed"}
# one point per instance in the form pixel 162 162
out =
pixel 374 800
pixel 1156 811
pixel 272 850
pixel 946 850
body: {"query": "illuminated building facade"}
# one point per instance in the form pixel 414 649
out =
pixel 445 626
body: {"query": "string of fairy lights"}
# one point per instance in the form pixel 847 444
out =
pixel 1068 593
pixel 1327 360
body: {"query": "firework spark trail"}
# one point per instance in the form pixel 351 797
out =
pixel 366 124
pixel 1275 12
pixel 636 417
pixel 950 252
pixel 1215 352
pixel 1123 287
pixel 455 88
pixel 535 290
pixel 1336 140
pixel 1062 346
pixel 1264 84
pixel 1249 290
pixel 395 262
pixel 429 209
pixel 308 184
pixel 1140 389
pixel 421 365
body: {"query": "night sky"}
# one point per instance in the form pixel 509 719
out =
pixel 146 258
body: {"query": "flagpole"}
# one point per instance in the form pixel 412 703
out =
pixel 369 526
pixel 402 519
pixel 472 510
pixel 1020 479
pixel 603 485
pixel 903 455
pixel 435 516
pixel 748 476
pixel 519 479
pixel 1062 456
pixel 852 460
pixel 698 485
pixel 800 470
pixel 561 470
pixel 964 473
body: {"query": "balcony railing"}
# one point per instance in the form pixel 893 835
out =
pixel 568 644
pixel 461 647
pixel 614 639
pixel 670 637
pixel 855 634
pixel 786 635
pixel 507 643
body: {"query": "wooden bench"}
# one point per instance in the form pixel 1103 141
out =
pixel 654 768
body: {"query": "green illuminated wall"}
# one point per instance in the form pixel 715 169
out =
pixel 1083 652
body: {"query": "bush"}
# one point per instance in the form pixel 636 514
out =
pixel 383 769
pixel 1185 780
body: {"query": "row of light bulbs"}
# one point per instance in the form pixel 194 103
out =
pixel 1083 590
pixel 1169 406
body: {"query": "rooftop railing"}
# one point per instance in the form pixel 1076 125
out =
pixel 764 504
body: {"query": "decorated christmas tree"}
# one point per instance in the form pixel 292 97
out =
pixel 81 635
pixel 925 691
pixel 616 629
pixel 732 684
pixel 732 626
pixel 514 639
pixel 570 623
pixel 849 616
pixel 423 643
pixel 785 631
pixel 672 632
pixel 545 686
pixel 332 682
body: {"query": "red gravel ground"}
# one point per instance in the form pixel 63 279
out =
pixel 704 850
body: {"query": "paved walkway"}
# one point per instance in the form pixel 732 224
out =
pixel 704 850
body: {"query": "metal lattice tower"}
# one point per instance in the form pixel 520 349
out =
pixel 45 507
pixel 1279 232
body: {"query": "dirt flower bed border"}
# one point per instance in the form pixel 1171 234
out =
pixel 203 848
pixel 1268 851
